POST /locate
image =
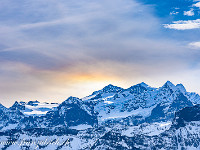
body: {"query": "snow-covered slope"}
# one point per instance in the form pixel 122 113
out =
pixel 140 101
pixel 183 134
pixel 34 107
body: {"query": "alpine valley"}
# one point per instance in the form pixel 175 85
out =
pixel 140 117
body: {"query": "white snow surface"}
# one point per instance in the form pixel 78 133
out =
pixel 39 108
pixel 81 127
pixel 10 126
pixel 147 129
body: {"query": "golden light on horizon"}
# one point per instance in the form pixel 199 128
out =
pixel 86 77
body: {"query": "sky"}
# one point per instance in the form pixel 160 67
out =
pixel 53 49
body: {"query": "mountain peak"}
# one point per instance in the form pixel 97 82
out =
pixel 139 88
pixel 169 84
pixel 33 103
pixel 181 88
pixel 108 89
pixel 111 88
pixel 143 84
pixel 16 106
pixel 71 100
pixel 16 103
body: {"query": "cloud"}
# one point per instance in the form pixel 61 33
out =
pixel 174 13
pixel 197 5
pixel 189 13
pixel 184 25
pixel 195 45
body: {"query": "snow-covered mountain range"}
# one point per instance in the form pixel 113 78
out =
pixel 139 117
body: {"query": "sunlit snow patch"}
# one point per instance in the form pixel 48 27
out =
pixel 81 127
pixel 147 129
pixel 39 108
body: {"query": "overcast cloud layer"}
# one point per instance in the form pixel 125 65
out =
pixel 50 50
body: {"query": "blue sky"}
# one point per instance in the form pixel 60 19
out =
pixel 50 50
